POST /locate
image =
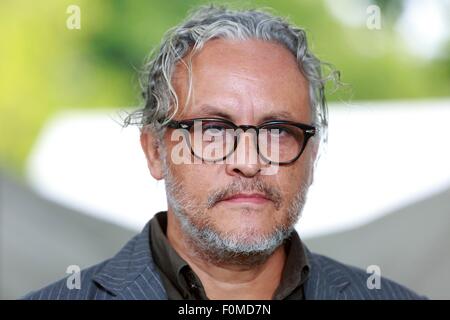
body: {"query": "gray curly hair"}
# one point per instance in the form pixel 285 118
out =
pixel 209 22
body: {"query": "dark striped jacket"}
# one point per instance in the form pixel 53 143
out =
pixel 131 274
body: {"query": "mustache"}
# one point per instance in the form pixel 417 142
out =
pixel 239 186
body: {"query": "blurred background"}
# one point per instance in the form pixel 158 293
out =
pixel 74 185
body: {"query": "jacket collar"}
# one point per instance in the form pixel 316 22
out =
pixel 133 264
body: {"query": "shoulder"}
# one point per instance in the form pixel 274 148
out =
pixel 65 289
pixel 351 282
pixel 130 274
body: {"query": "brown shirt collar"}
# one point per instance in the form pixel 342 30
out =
pixel 181 282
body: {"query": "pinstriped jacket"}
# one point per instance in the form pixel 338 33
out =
pixel 131 274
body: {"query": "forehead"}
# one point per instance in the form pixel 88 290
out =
pixel 243 78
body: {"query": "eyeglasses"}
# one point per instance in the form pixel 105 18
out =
pixel 214 139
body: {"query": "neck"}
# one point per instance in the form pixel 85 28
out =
pixel 228 280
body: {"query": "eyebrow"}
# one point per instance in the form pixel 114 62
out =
pixel 210 110
pixel 278 115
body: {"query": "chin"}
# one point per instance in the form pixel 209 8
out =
pixel 245 220
pixel 246 231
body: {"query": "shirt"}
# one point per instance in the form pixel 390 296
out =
pixel 181 282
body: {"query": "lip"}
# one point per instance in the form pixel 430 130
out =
pixel 256 198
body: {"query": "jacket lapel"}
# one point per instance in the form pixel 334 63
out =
pixel 325 281
pixel 131 273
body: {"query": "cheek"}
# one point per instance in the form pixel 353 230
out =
pixel 291 180
pixel 195 180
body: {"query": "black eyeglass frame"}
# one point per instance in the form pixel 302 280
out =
pixel 308 131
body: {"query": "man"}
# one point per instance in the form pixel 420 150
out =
pixel 233 120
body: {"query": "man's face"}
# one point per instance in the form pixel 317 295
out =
pixel 247 82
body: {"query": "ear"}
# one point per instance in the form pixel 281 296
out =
pixel 151 147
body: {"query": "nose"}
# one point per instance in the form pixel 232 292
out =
pixel 245 160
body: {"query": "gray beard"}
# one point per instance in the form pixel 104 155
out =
pixel 207 243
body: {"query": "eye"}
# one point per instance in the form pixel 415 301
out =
pixel 209 125
pixel 215 130
pixel 279 130
pixel 214 127
pixel 284 132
